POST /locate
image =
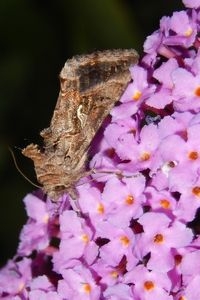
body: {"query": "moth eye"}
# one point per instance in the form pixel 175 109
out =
pixel 59 188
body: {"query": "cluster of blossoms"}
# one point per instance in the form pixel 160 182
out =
pixel 136 235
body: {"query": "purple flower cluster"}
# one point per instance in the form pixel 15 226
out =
pixel 136 233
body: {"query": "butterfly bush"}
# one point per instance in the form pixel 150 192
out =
pixel 134 229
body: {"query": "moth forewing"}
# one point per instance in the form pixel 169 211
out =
pixel 90 85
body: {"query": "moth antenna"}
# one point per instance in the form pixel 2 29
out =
pixel 20 171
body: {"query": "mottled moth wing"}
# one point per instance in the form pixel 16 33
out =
pixel 90 85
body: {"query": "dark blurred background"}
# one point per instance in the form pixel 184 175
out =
pixel 36 38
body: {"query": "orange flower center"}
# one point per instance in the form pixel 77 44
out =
pixel 193 155
pixel 145 156
pixel 158 238
pixel 85 238
pixel 148 285
pixel 124 240
pixel 197 91
pixel 100 208
pixel 165 203
pixel 182 298
pixel 129 200
pixel 188 32
pixel 114 274
pixel 196 191
pixel 46 218
pixel 87 288
pixel 137 95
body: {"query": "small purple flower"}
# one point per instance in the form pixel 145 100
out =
pixel 161 201
pixel 161 235
pixel 192 3
pixel 184 30
pixel 123 241
pixel 78 283
pixel 14 278
pixel 190 265
pixel 35 233
pixel 139 89
pixel 192 290
pixel 186 90
pixel 76 241
pixel 149 285
pixel 124 202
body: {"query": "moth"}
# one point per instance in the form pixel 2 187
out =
pixel 90 85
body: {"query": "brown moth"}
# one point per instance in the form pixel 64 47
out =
pixel 90 85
